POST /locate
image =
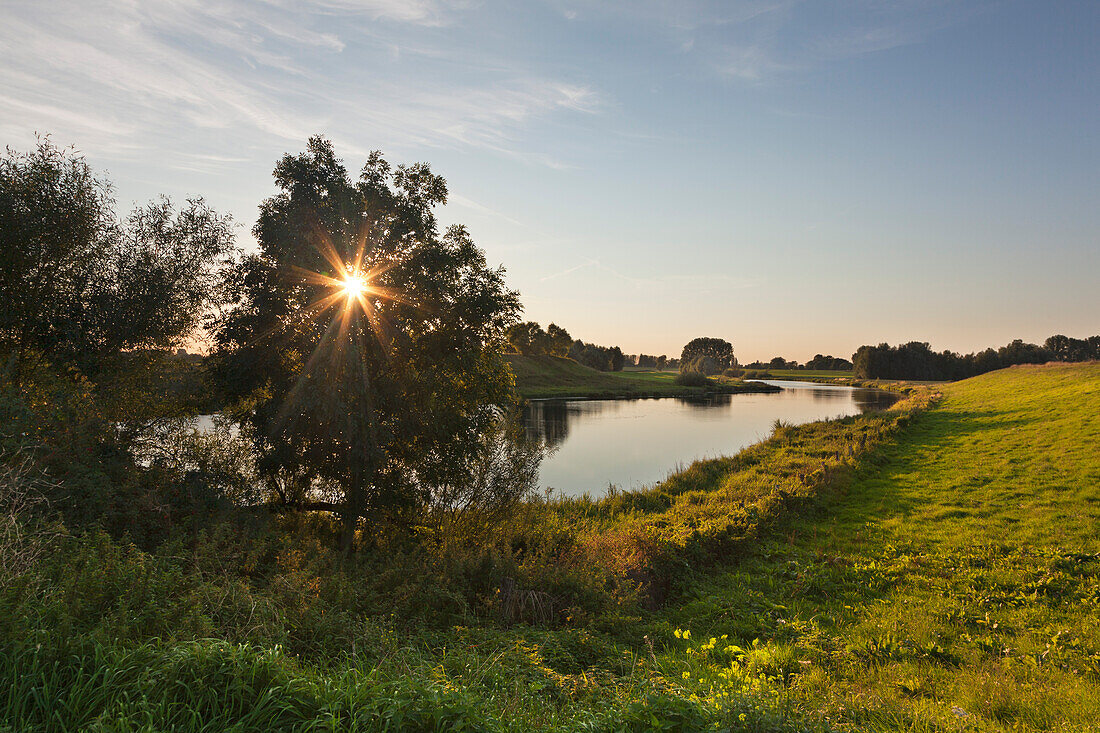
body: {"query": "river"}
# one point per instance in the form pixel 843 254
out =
pixel 633 443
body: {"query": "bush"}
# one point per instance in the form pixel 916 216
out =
pixel 733 372
pixel 692 378
pixel 706 365
pixel 23 537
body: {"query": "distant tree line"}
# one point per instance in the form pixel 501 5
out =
pixel 828 362
pixel 916 360
pixel 818 363
pixel 603 358
pixel 529 338
pixel 649 361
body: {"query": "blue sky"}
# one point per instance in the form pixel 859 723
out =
pixel 796 177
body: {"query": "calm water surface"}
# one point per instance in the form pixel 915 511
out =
pixel 634 443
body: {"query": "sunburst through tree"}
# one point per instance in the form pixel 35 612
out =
pixel 365 349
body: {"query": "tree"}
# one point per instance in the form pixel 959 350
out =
pixel 527 338
pixel 365 349
pixel 601 358
pixel 78 284
pixel 828 362
pixel 916 360
pixel 558 340
pixel 616 359
pixel 1065 348
pixel 720 350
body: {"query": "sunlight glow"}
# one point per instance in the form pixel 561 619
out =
pixel 354 285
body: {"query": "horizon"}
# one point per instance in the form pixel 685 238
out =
pixel 793 179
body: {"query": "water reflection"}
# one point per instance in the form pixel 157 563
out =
pixel 547 420
pixel 867 400
pixel 633 443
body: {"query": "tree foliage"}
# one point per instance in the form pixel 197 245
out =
pixel 708 355
pixel 916 360
pixel 601 358
pixel 828 362
pixel 78 283
pixel 649 361
pixel 363 405
pixel 558 340
pixel 529 339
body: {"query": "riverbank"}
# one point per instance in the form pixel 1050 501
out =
pixel 930 567
pixel 553 377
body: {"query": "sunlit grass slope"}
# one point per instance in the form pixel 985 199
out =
pixel 956 583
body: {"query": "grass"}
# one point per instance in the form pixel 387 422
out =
pixel 539 377
pixel 923 569
pixel 956 583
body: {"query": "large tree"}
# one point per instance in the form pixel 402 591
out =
pixel 78 284
pixel 698 351
pixel 365 347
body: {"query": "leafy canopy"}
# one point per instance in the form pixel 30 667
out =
pixel 77 283
pixel 363 399
pixel 707 355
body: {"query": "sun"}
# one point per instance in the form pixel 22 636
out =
pixel 354 285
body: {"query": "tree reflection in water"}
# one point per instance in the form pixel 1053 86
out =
pixel 631 443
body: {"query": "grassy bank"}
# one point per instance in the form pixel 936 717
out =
pixel 539 377
pixel 925 568
pixel 955 583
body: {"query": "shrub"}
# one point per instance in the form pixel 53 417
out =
pixel 23 537
pixel 705 364
pixel 692 378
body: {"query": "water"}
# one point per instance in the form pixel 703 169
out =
pixel 635 443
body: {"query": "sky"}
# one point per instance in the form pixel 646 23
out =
pixel 797 177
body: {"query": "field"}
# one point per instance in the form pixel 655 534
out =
pixel 932 568
pixel 552 376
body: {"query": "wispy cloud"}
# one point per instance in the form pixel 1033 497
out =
pixel 757 41
pixel 173 73
pixel 569 270
pixel 462 202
